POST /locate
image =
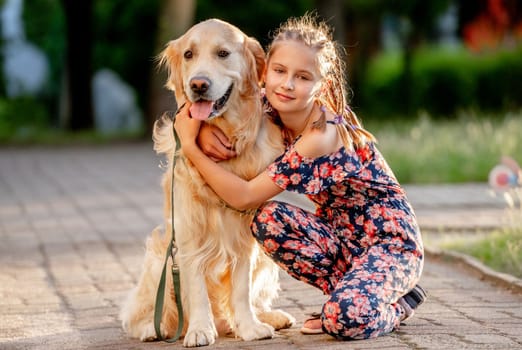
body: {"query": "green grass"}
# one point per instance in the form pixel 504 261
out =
pixel 501 250
pixel 464 149
pixel 57 137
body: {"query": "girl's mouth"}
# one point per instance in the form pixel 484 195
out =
pixel 283 96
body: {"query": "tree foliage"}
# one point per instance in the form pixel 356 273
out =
pixel 256 18
pixel 125 33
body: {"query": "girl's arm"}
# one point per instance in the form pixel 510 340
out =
pixel 234 190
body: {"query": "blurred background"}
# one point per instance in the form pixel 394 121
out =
pixel 439 82
pixel 438 79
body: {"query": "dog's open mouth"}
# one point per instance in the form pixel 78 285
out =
pixel 206 110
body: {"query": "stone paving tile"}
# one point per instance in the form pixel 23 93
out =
pixel 73 222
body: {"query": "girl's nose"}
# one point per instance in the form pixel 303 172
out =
pixel 289 84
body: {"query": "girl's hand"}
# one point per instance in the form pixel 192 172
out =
pixel 186 127
pixel 214 143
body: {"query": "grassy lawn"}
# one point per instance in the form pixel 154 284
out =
pixel 448 151
pixel 501 250
pixel 56 137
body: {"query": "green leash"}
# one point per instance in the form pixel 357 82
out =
pixel 172 250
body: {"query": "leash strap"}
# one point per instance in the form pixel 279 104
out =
pixel 172 249
pixel 158 311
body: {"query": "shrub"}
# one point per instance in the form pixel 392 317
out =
pixel 499 80
pixel 380 93
pixel 443 82
pixel 21 118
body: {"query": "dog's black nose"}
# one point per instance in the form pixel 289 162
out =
pixel 199 85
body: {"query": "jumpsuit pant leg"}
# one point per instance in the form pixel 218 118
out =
pixel 363 290
pixel 364 303
pixel 301 244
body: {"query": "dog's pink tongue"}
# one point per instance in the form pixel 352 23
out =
pixel 201 110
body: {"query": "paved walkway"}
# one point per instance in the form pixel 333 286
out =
pixel 72 228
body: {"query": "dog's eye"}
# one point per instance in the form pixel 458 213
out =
pixel 223 53
pixel 188 54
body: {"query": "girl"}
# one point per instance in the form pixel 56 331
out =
pixel 362 247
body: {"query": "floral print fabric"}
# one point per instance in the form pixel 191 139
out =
pixel 362 246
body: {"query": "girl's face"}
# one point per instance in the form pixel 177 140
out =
pixel 292 78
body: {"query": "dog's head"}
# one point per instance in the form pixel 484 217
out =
pixel 211 64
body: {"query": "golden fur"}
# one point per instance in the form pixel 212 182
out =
pixel 227 283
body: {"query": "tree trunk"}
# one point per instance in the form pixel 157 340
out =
pixel 363 43
pixel 175 17
pixel 77 109
pixel 332 11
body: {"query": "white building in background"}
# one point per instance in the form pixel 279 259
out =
pixel 446 28
pixel 25 66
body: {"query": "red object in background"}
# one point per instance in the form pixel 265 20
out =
pixel 505 175
pixel 497 23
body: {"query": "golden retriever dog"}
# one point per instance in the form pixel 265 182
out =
pixel 227 283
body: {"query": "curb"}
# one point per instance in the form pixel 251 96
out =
pixel 501 279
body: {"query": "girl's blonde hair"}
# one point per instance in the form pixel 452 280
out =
pixel 317 35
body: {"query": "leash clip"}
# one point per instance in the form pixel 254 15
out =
pixel 173 252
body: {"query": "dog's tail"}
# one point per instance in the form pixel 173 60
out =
pixel 163 136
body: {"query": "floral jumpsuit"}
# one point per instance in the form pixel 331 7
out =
pixel 362 247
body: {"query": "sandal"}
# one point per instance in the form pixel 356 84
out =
pixel 412 300
pixel 310 329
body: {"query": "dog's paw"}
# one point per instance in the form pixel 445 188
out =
pixel 200 337
pixel 148 333
pixel 278 319
pixel 255 331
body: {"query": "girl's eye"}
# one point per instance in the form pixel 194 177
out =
pixel 188 54
pixel 278 70
pixel 223 53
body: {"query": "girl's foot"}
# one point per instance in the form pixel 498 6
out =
pixel 313 325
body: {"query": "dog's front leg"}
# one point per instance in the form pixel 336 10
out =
pixel 247 325
pixel 201 328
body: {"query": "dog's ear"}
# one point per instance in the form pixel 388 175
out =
pixel 256 51
pixel 170 59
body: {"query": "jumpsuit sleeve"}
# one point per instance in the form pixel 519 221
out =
pixel 294 172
